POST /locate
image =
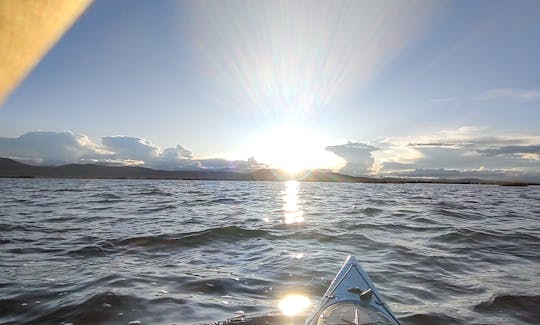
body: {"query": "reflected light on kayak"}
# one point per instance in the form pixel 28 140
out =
pixel 293 305
pixel 293 212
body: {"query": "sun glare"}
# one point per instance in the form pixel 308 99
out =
pixel 293 305
pixel 294 149
pixel 291 204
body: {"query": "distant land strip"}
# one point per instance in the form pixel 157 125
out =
pixel 10 168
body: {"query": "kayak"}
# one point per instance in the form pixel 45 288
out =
pixel 352 299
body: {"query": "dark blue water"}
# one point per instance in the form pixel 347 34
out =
pixel 190 252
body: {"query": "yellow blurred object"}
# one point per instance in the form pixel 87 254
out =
pixel 28 29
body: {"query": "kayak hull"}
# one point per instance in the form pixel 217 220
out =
pixel 352 298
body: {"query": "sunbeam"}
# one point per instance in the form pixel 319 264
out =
pixel 292 57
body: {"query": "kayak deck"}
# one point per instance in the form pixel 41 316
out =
pixel 352 299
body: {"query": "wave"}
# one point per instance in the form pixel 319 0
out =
pixel 101 308
pixel 206 202
pixel 393 227
pixel 267 318
pixel 165 252
pixel 155 192
pixel 367 211
pixel 520 307
pixel 431 318
pixel 156 209
pixel 109 196
pixel 65 190
pixel 229 234
pixel 222 286
pixel 204 237
pixel 486 237
pixel 5 227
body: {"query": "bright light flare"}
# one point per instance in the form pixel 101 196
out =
pixel 291 206
pixel 294 57
pixel 293 305
pixel 294 149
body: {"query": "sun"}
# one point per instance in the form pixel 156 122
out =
pixel 294 149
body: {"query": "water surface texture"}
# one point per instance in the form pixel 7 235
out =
pixel 190 252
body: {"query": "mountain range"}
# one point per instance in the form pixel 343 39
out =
pixel 10 168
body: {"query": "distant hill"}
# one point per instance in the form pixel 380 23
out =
pixel 15 169
pixel 11 168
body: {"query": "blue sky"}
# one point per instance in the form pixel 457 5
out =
pixel 398 88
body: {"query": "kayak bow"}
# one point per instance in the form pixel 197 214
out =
pixel 352 299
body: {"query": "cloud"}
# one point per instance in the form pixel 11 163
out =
pixel 459 153
pixel 57 148
pixel 465 152
pixel 219 163
pixel 522 95
pixel 357 155
pixel 48 148
pixel 485 174
pixel 511 150
pixel 178 152
pixel 131 147
pixel 456 153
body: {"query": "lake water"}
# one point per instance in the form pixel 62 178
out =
pixel 192 252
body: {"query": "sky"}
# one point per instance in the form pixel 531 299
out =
pixel 383 88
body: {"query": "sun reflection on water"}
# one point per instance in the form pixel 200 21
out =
pixel 291 205
pixel 293 304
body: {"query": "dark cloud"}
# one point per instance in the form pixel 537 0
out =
pixel 487 174
pixel 435 144
pixel 510 150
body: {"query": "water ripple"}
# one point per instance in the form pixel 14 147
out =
pixel 186 252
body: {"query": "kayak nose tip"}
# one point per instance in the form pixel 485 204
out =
pixel 351 260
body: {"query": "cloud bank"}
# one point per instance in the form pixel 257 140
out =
pixel 57 148
pixel 48 148
pixel 467 152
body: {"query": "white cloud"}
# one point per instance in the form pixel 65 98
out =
pixel 461 152
pixel 111 162
pixel 138 149
pixel 485 174
pixel 131 147
pixel 358 157
pixel 49 148
pixel 56 148
pixel 469 151
pixel 511 150
pixel 522 95
pixel 178 152
pixel 456 153
pixel 219 163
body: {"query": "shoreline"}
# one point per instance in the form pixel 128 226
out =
pixel 13 169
